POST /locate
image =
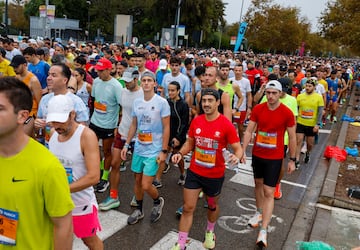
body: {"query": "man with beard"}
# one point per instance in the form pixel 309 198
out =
pixel 76 146
pixel 207 167
pixel 106 93
pixel 311 106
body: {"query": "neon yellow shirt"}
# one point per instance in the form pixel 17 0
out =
pixel 228 89
pixel 6 69
pixel 308 108
pixel 324 83
pixel 34 185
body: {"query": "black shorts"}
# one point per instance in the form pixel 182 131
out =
pixel 102 133
pixel 266 169
pixel 210 186
pixel 306 130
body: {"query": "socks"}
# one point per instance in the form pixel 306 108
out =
pixel 113 193
pixel 157 201
pixel 140 204
pixel 182 239
pixel 105 175
pixel 210 226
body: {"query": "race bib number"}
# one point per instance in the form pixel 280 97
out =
pixel 205 157
pixel 266 140
pixel 8 225
pixel 69 174
pixel 145 137
pixel 100 107
pixel 237 115
pixel 307 114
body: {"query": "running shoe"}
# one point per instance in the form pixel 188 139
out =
pixel 157 183
pixel 297 165
pixel 304 148
pixel 179 212
pixel 135 217
pixel 307 157
pixel 278 192
pixel 334 119
pixel 209 242
pixel 167 168
pixel 133 202
pixel 102 186
pixel 177 247
pixel 201 194
pixel 262 238
pixel 122 166
pixel 328 117
pixel 181 180
pixel 255 220
pixel 157 211
pixel 109 203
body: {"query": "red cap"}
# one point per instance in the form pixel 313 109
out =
pixel 209 64
pixel 103 64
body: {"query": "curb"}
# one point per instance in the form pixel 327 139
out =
pixel 327 196
pixel 310 220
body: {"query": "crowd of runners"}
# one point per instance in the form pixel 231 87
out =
pixel 94 106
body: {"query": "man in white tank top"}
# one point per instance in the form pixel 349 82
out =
pixel 76 147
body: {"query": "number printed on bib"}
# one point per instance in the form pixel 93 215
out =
pixel 266 140
pixel 100 107
pixel 205 157
pixel 145 137
pixel 307 114
pixel 8 225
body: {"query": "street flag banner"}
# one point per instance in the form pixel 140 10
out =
pixel 240 37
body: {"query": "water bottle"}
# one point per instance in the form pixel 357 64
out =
pixel 226 155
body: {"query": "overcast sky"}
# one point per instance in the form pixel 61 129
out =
pixel 308 8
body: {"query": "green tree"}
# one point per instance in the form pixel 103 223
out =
pixel 275 28
pixel 339 23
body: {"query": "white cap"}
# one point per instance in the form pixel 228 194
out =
pixel 59 108
pixel 215 60
pixel 274 85
pixel 163 64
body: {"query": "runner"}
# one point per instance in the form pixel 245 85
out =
pixel 268 152
pixel 77 149
pixel 207 167
pixel 31 174
pixel 128 95
pixel 151 121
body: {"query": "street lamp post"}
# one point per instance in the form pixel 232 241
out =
pixel 177 23
pixel 89 3
pixel 6 18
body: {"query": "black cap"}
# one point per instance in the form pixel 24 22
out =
pixel 283 67
pixel 17 60
pixel 212 92
pixel 285 83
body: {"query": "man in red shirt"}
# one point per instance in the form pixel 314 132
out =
pixel 207 166
pixel 268 152
pixel 254 77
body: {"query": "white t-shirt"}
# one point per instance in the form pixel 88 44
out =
pixel 126 101
pixel 245 87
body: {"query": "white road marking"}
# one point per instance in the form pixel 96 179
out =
pixel 110 221
pixel 169 240
pixel 293 184
pixel 324 131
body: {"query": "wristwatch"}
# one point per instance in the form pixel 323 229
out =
pixel 165 151
pixel 292 159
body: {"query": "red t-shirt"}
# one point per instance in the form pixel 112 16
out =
pixel 271 126
pixel 210 138
pixel 252 74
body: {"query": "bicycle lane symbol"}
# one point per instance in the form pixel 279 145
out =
pixel 239 224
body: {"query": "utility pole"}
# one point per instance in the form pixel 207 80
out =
pixel 177 23
pixel 6 18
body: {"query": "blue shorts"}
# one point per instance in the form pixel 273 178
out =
pixel 146 165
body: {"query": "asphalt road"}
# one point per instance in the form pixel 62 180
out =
pixel 237 204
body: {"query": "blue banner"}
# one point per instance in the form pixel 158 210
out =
pixel 240 36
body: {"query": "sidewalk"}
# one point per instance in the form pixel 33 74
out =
pixel 321 216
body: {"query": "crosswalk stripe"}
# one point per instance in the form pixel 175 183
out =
pixel 110 221
pixel 169 240
pixel 324 131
